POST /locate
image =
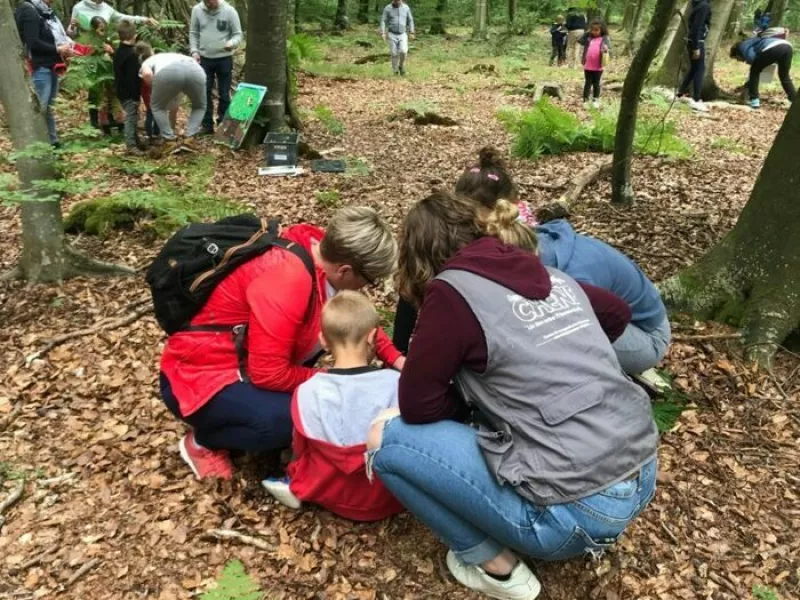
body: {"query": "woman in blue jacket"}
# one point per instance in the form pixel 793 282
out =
pixel 759 53
pixel 646 338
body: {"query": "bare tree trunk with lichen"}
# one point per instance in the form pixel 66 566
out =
pixel 719 23
pixel 752 276
pixel 621 184
pixel 45 256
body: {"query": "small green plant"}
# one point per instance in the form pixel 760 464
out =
pixel 387 320
pixel 729 145
pixel 328 198
pixel 161 210
pixel 357 167
pixel 670 405
pixel 419 107
pixel 326 117
pixel 548 129
pixel 763 592
pixel 234 584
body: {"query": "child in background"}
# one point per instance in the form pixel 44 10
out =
pixel 143 51
pixel 558 36
pixel 127 82
pixel 332 413
pixel 596 52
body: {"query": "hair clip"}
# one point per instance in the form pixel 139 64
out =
pixel 493 177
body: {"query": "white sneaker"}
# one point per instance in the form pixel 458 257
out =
pixel 698 105
pixel 596 103
pixel 522 585
pixel 279 489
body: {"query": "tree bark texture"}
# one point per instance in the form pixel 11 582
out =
pixel 778 11
pixel 512 10
pixel 751 278
pixel 480 29
pixel 621 186
pixel 627 16
pixel 676 59
pixel 43 258
pixel 633 31
pixel 438 23
pixel 291 18
pixel 735 24
pixel 266 62
pixel 340 21
pixel 719 23
pixel 363 11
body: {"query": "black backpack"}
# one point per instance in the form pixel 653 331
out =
pixel 198 257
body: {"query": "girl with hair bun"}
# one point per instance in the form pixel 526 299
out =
pixel 564 453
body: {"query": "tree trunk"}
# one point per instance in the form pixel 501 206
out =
pixel 676 58
pixel 512 10
pixel 627 16
pixel 363 11
pixel 291 18
pixel 633 32
pixel 438 23
pixel 266 56
pixel 735 20
pixel 480 28
pixel 340 21
pixel 719 22
pixel 45 257
pixel 752 276
pixel 621 188
pixel 778 11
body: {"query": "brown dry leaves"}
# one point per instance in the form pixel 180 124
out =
pixel 88 415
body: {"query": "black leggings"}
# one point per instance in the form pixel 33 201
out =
pixel 592 83
pixel 404 321
pixel 694 76
pixel 781 54
pixel 559 52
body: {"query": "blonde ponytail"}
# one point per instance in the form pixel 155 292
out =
pixel 502 222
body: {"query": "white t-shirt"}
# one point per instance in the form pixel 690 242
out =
pixel 163 59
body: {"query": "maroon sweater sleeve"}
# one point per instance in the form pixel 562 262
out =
pixel 447 337
pixel 612 311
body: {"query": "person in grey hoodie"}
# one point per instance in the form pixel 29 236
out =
pixel 215 32
pixel 397 23
pixel 563 457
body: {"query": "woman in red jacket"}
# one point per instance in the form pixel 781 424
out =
pixel 233 406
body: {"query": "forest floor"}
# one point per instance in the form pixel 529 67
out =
pixel 109 509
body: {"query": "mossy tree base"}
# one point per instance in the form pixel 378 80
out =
pixel 752 277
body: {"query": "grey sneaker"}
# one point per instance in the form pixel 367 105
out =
pixel 522 585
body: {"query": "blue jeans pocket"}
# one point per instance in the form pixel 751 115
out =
pixel 580 543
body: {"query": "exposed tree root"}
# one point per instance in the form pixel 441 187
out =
pixel 102 326
pixel 10 500
pixel 586 177
pixel 78 264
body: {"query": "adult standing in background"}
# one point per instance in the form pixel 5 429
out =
pixel 46 46
pixel 215 32
pixel 396 24
pixel 699 24
pixel 576 25
pixel 86 10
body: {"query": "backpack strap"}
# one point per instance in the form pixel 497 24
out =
pixel 239 330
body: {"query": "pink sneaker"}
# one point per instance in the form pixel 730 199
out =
pixel 204 462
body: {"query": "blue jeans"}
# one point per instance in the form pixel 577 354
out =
pixel 45 84
pixel 220 69
pixel 638 350
pixel 438 472
pixel 239 417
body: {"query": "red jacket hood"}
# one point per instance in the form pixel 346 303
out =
pixel 514 268
pixel 304 234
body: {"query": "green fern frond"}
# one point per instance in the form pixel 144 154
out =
pixel 234 584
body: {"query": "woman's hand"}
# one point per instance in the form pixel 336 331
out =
pixel 399 363
pixel 65 50
pixel 108 48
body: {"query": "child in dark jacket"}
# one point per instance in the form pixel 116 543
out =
pixel 127 82
pixel 558 36
pixel 332 413
pixel 596 50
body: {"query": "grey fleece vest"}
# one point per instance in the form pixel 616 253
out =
pixel 559 419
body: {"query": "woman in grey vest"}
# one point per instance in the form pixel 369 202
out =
pixel 563 455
